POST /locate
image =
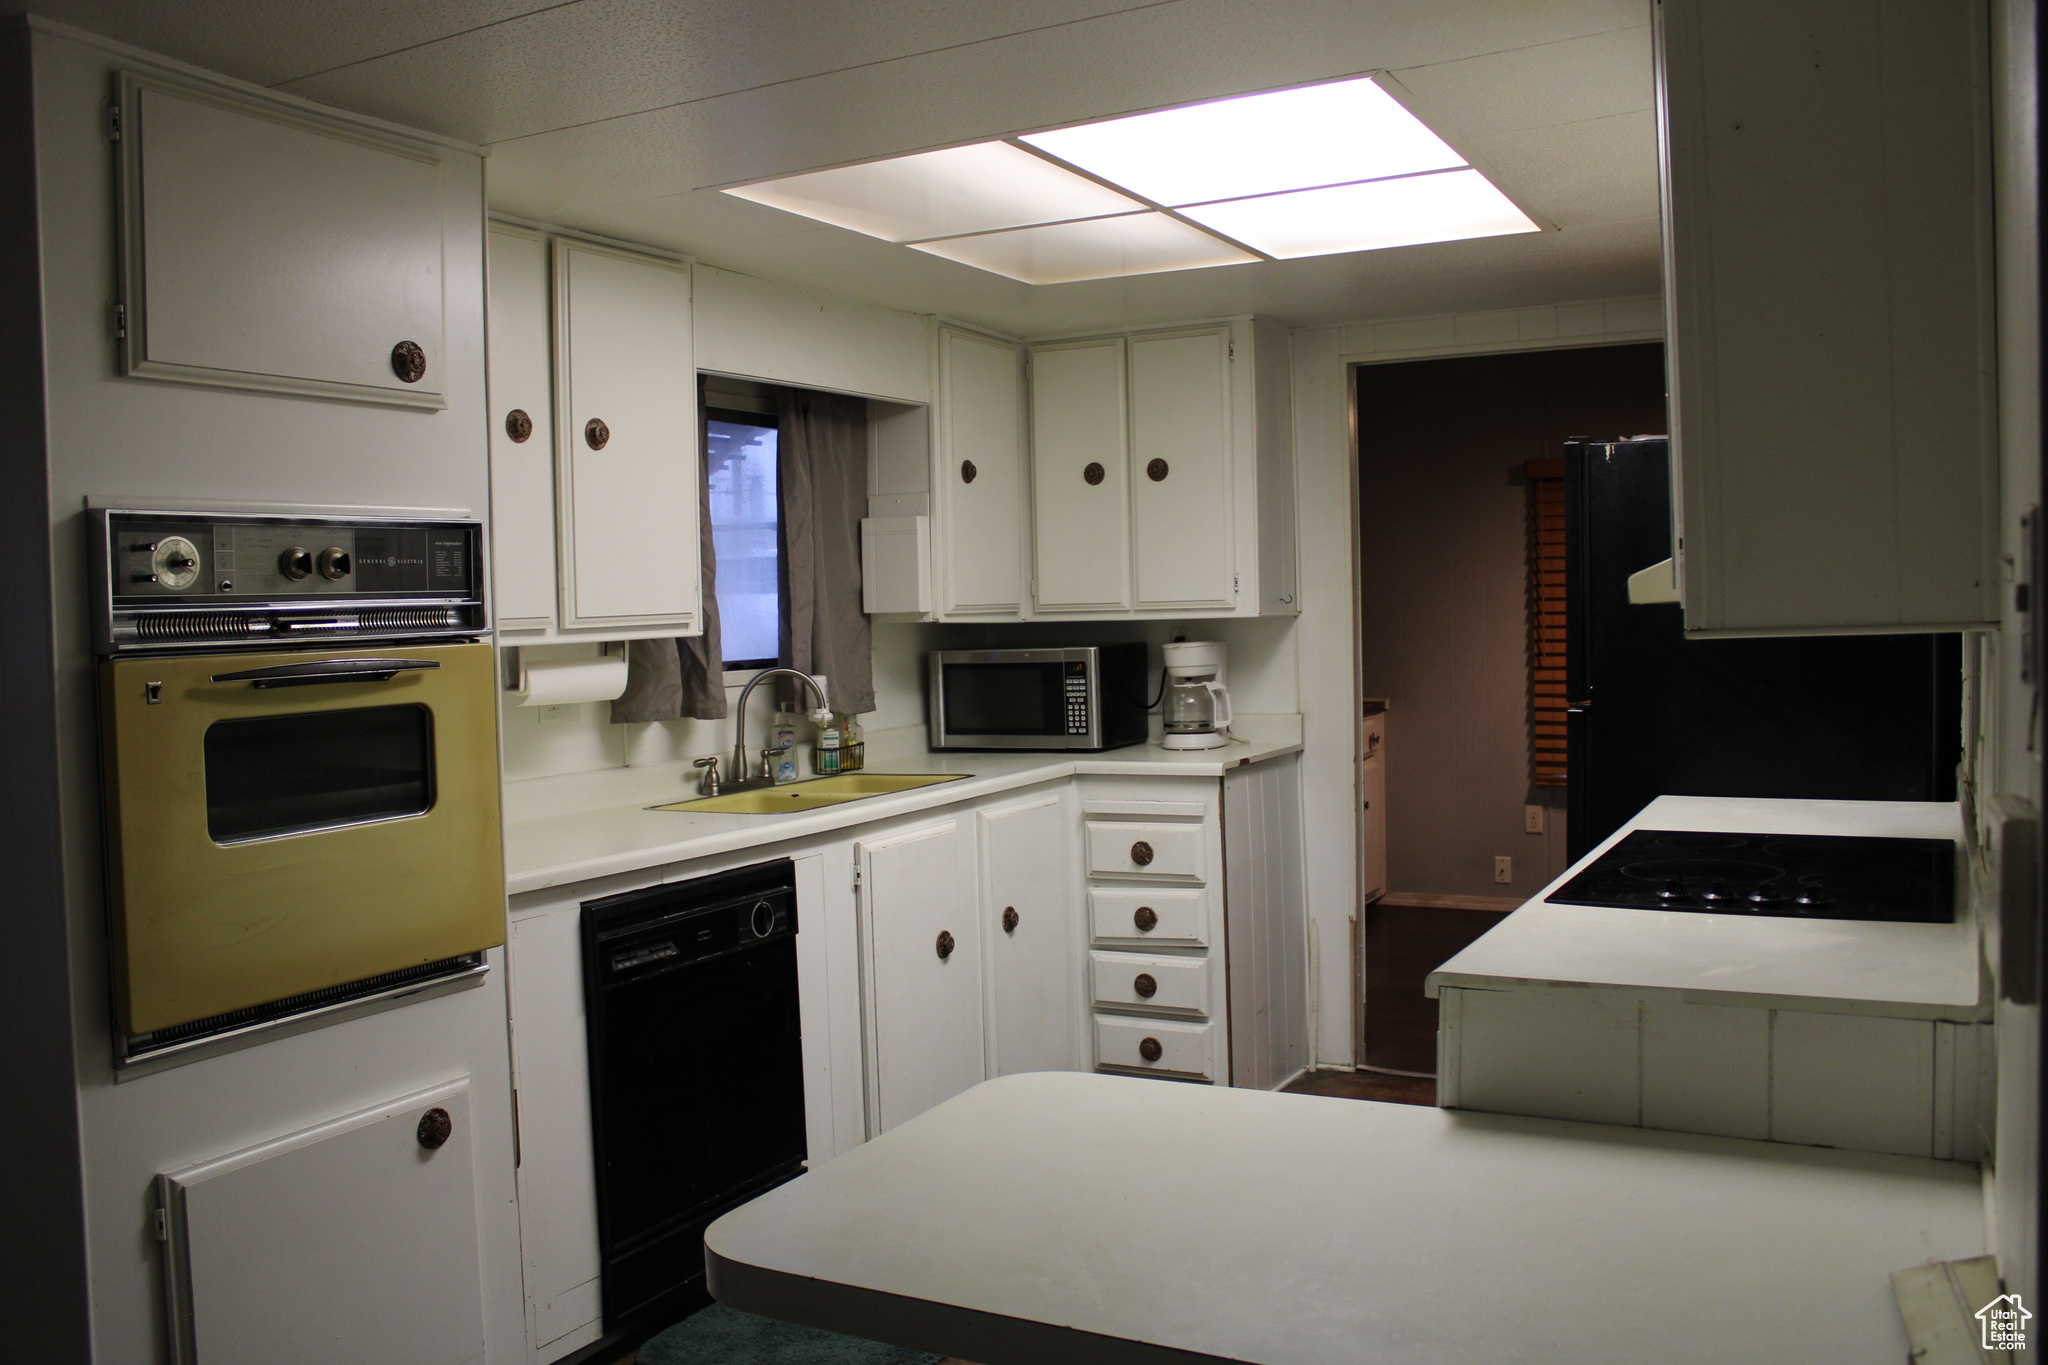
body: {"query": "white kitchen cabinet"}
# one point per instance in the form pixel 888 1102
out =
pixel 1032 933
pixel 626 437
pixel 1080 478
pixel 522 433
pixel 350 1241
pixel 269 247
pixel 923 980
pixel 1181 484
pixel 1828 266
pixel 978 473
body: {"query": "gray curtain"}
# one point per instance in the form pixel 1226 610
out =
pixel 674 679
pixel 823 465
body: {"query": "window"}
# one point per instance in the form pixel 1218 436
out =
pixel 746 534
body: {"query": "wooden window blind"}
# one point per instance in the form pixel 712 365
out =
pixel 1546 622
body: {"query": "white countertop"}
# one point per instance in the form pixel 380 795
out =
pixel 1107 1219
pixel 569 829
pixel 1918 971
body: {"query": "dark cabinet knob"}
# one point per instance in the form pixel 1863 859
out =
pixel 1155 470
pixel 1009 919
pixel 967 471
pixel 518 425
pixel 1145 986
pixel 1150 1050
pixel 1092 475
pixel 1146 918
pixel 1141 853
pixel 596 433
pixel 435 1128
pixel 945 945
pixel 409 362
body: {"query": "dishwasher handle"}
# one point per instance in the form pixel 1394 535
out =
pixel 327 671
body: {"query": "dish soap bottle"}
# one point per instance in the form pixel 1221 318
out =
pixel 852 746
pixel 826 760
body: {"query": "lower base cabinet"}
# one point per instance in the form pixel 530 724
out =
pixel 1910 1087
pixel 1029 922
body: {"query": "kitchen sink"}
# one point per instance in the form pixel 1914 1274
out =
pixel 815 794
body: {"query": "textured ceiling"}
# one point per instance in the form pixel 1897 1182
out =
pixel 621 116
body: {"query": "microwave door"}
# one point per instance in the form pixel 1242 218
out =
pixel 1011 704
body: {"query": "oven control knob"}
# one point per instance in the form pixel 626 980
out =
pixel 334 563
pixel 296 563
pixel 175 562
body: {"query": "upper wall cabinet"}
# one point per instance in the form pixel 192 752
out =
pixel 626 442
pixel 979 477
pixel 1080 477
pixel 522 432
pixel 1828 275
pixel 272 249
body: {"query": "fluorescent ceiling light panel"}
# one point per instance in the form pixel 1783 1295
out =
pixel 1446 207
pixel 979 188
pixel 1101 248
pixel 1255 144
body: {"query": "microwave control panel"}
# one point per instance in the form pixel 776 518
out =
pixel 180 579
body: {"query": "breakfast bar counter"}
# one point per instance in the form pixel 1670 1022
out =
pixel 1107 1220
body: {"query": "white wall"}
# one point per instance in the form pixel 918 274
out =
pixel 145 440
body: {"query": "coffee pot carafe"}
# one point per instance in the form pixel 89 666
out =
pixel 1196 707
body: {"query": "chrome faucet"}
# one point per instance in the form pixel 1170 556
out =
pixel 737 779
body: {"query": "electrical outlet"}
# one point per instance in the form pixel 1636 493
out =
pixel 1532 819
pixel 1503 870
pixel 564 714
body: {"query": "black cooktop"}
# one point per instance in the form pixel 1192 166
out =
pixel 1793 876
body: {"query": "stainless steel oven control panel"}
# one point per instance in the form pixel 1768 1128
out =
pixel 177 580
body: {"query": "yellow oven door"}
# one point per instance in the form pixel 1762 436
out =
pixel 280 823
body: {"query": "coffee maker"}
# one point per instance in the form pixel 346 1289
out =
pixel 1197 703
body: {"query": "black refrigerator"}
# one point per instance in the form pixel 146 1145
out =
pixel 1839 717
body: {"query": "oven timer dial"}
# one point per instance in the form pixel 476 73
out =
pixel 174 563
pixel 295 563
pixel 334 563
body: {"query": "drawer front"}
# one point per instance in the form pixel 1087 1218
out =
pixel 1162 1046
pixel 1134 981
pixel 1119 914
pixel 1134 848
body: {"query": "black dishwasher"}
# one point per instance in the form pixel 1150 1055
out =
pixel 696 1072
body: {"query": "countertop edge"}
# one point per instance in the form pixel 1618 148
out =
pixel 1950 1011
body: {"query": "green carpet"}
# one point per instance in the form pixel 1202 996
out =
pixel 725 1336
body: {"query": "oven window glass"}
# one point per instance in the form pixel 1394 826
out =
pixel 271 775
pixel 1005 699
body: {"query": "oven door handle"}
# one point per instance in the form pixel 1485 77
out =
pixel 327 671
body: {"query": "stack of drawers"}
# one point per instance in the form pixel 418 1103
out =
pixel 1153 923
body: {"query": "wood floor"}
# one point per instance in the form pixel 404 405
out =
pixel 1404 944
pixel 1366 1085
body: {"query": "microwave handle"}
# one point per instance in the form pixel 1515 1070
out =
pixel 327 671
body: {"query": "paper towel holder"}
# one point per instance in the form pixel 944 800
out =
pixel 512 663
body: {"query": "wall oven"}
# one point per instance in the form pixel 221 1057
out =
pixel 1084 698
pixel 299 739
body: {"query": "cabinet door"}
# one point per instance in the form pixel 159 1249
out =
pixel 628 440
pixel 1079 489
pixel 1828 273
pixel 522 466
pixel 1181 469
pixel 1028 917
pixel 271 249
pixel 924 978
pixel 980 476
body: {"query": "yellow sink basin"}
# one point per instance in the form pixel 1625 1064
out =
pixel 815 794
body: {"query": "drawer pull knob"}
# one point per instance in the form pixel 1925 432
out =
pixel 967 471
pixel 945 945
pixel 435 1128
pixel 1150 1050
pixel 518 426
pixel 1141 853
pixel 408 362
pixel 1145 986
pixel 1091 474
pixel 1146 918
pixel 1009 919
pixel 596 433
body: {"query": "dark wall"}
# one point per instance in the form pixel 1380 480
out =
pixel 1443 624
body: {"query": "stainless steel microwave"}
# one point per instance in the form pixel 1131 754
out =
pixel 1088 698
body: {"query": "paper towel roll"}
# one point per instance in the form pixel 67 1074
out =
pixel 557 682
